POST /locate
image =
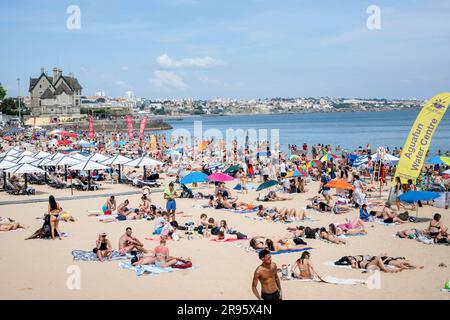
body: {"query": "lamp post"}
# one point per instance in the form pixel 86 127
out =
pixel 18 99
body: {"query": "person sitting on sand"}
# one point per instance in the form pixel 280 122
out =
pixel 437 230
pixel 128 243
pixel 389 216
pixel 103 247
pixel 331 235
pixel 160 257
pixel 144 206
pixel 160 222
pixel 204 224
pixel 123 209
pixel 109 206
pixel 305 268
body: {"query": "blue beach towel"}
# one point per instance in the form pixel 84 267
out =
pixel 287 251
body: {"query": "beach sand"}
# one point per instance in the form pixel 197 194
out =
pixel 37 269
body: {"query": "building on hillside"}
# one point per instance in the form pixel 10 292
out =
pixel 56 95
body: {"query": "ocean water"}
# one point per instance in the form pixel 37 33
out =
pixel 349 130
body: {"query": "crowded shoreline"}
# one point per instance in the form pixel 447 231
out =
pixel 212 213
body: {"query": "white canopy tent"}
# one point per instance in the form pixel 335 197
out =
pixel 41 155
pixel 97 157
pixel 144 162
pixel 24 169
pixel 118 160
pixel 5 164
pixel 26 159
pixel 88 166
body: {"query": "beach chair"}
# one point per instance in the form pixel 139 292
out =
pixel 80 185
pixel 10 189
pixel 54 183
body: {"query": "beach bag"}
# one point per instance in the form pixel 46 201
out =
pixel 299 241
pixel 310 233
pixel 183 265
pixel 404 216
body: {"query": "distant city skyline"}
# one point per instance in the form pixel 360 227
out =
pixel 251 49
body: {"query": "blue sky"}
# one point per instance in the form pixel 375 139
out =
pixel 232 48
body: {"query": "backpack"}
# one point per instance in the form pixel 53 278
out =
pixel 183 265
pixel 404 216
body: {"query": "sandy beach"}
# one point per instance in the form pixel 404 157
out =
pixel 37 269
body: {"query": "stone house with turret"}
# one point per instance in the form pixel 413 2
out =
pixel 55 95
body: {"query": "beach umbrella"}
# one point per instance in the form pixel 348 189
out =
pixel 80 142
pixel 385 157
pixel 56 156
pixel 7 138
pixel 294 157
pixel 54 132
pixel 41 155
pixel 64 161
pixel 97 157
pixel 25 169
pixel 118 160
pixel 24 153
pixel 313 163
pixel 64 142
pixel 4 164
pixel 267 184
pixel 340 184
pixel 194 177
pixel 295 173
pixel 360 161
pixel 10 152
pixel 88 166
pixel 435 160
pixel 216 166
pixel 173 153
pixel 446 171
pixel 232 169
pixel 328 156
pixel 220 177
pixel 10 158
pixel 446 160
pixel 78 156
pixel 144 162
pixel 237 187
pixel 416 196
pixel 26 159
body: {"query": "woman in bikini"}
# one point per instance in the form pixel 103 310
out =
pixel 281 245
pixel 369 263
pixel 399 262
pixel 305 268
pixel 437 230
pixel 103 247
pixel 331 235
pixel 54 210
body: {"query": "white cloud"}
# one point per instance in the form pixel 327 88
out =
pixel 168 80
pixel 165 61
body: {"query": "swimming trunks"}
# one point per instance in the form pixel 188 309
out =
pixel 171 205
pixel 271 296
pixel 121 217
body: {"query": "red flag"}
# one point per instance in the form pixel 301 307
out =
pixel 91 127
pixel 130 127
pixel 141 130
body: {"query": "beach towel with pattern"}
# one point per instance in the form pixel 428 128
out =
pixel 82 255
pixel 148 269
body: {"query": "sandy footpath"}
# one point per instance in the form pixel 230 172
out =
pixel 37 269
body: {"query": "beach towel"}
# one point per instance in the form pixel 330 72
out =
pixel 386 224
pixel 332 280
pixel 287 251
pixel 346 236
pixel 148 269
pixel 82 255
pixel 226 240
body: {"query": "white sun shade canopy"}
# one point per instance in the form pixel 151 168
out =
pixel 116 160
pixel 6 164
pixel 88 165
pixel 24 168
pixel 143 162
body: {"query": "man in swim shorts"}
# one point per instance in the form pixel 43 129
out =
pixel 267 275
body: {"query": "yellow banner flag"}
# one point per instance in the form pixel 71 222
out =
pixel 419 138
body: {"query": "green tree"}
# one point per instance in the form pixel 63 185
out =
pixel 2 92
pixel 9 106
